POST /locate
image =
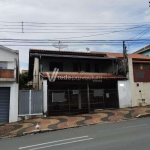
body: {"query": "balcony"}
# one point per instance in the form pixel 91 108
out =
pixel 7 75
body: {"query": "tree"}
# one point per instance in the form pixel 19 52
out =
pixel 23 80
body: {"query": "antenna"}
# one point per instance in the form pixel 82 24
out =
pixel 87 49
pixel 59 45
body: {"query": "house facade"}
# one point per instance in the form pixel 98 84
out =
pixel 75 81
pixel 138 76
pixel 144 51
pixel 9 76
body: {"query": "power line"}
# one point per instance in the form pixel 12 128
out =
pixel 72 22
pixel 102 34
pixel 140 36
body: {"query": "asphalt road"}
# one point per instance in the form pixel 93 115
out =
pixel 126 135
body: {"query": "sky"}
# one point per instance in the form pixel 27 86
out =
pixel 97 12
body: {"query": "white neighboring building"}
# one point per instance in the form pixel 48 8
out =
pixel 9 78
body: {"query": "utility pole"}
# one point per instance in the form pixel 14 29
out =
pixel 125 58
pixel 22 27
pixel 149 3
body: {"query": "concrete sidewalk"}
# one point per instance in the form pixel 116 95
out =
pixel 63 122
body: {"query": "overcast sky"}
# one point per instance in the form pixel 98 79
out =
pixel 70 11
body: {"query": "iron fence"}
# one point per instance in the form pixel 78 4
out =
pixel 71 105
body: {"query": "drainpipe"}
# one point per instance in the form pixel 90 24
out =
pixel 88 96
pixel 40 70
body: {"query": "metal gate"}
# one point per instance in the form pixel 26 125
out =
pixel 30 102
pixel 4 104
pixel 109 99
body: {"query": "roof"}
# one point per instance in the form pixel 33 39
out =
pixel 8 49
pixel 24 71
pixel 144 49
pixel 83 76
pixel 120 55
pixel 92 53
pixel 40 51
pixel 143 62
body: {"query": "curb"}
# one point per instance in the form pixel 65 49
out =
pixel 57 129
pixel 36 131
pixel 143 115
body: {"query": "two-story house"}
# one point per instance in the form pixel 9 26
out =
pixel 9 76
pixel 75 81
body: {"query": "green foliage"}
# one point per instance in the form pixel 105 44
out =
pixel 23 80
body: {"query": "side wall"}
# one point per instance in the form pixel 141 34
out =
pixel 13 108
pixel 36 74
pixel 124 94
pixel 147 53
pixel 140 94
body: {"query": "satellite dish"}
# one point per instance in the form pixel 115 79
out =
pixel 59 45
pixel 87 49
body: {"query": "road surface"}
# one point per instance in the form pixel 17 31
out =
pixel 125 135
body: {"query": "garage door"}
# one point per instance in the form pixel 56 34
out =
pixel 4 104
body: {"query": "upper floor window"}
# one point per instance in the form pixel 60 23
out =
pixel 3 65
pixel 58 65
pixel 96 67
pixel 76 67
pixel 88 68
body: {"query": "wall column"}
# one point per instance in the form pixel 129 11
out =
pixel 88 97
pixel 45 97
pixel 134 102
pixel 13 108
pixel 79 98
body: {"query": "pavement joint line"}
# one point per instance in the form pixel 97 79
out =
pixel 54 142
pixel 128 127
pixel 63 143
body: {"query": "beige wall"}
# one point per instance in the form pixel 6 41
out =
pixel 37 80
pixel 36 73
pixel 140 95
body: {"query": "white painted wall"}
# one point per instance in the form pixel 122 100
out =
pixel 45 96
pixel 10 56
pixel 13 108
pixel 6 55
pixel 124 94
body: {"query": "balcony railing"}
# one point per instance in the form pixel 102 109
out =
pixel 6 73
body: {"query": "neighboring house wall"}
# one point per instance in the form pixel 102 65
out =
pixel 13 106
pixel 146 53
pixel 124 94
pixel 140 94
pixel 9 78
